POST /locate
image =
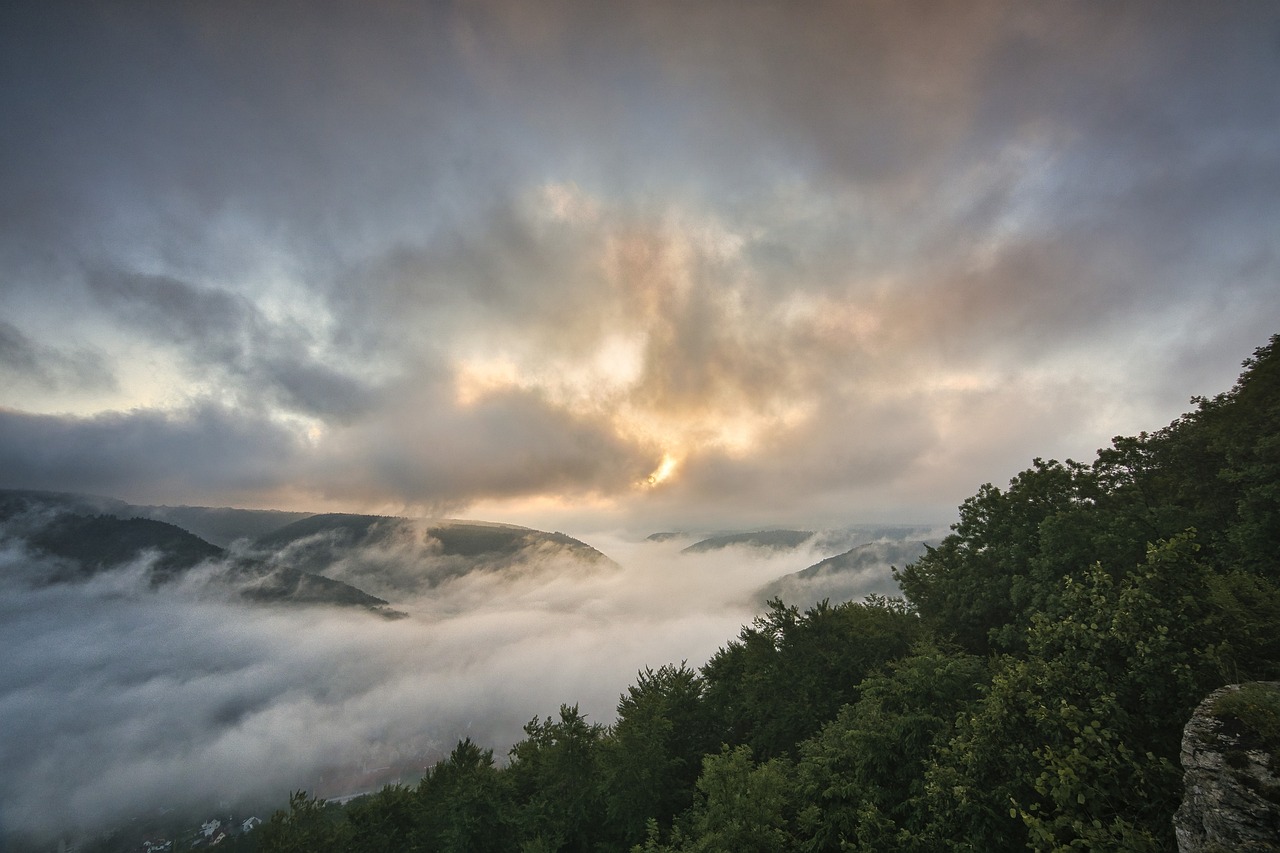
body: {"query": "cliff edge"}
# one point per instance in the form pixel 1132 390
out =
pixel 1231 772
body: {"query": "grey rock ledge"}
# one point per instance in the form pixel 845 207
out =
pixel 1231 793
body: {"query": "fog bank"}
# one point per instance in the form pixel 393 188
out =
pixel 119 700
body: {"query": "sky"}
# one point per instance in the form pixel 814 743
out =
pixel 607 266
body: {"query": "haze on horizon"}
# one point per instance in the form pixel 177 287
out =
pixel 621 266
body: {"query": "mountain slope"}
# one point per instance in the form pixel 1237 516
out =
pixel 220 525
pixel 862 570
pixel 67 546
pixel 399 558
pixel 93 543
pixel 774 539
pixel 335 558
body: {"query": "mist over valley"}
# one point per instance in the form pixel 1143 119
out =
pixel 331 652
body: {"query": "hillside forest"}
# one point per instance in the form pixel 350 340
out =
pixel 1028 691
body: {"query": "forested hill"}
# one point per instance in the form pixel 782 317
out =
pixel 1029 693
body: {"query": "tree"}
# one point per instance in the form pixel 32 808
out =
pixel 385 822
pixel 311 824
pixel 652 756
pixel 1234 440
pixel 741 807
pixel 1076 743
pixel 862 777
pixel 465 803
pixel 975 582
pixel 788 673
pixel 555 778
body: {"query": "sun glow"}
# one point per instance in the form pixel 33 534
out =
pixel 664 470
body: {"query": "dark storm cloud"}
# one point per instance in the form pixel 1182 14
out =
pixel 220 331
pixel 145 452
pixel 24 362
pixel 425 451
pixel 298 120
pixel 214 324
pixel 422 454
pixel 504 266
pixel 17 352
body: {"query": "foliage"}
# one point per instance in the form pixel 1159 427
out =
pixel 383 823
pixel 553 772
pixel 652 758
pixel 1255 710
pixel 788 673
pixel 94 543
pixel 464 803
pixel 309 824
pixel 862 777
pixel 741 806
pixel 1075 744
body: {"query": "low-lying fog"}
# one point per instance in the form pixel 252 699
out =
pixel 118 700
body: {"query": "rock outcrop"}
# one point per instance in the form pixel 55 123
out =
pixel 1231 780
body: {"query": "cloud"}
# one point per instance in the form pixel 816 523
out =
pixel 425 449
pixel 232 452
pixel 17 353
pixel 27 363
pixel 422 453
pixel 499 251
pixel 226 335
pixel 180 698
